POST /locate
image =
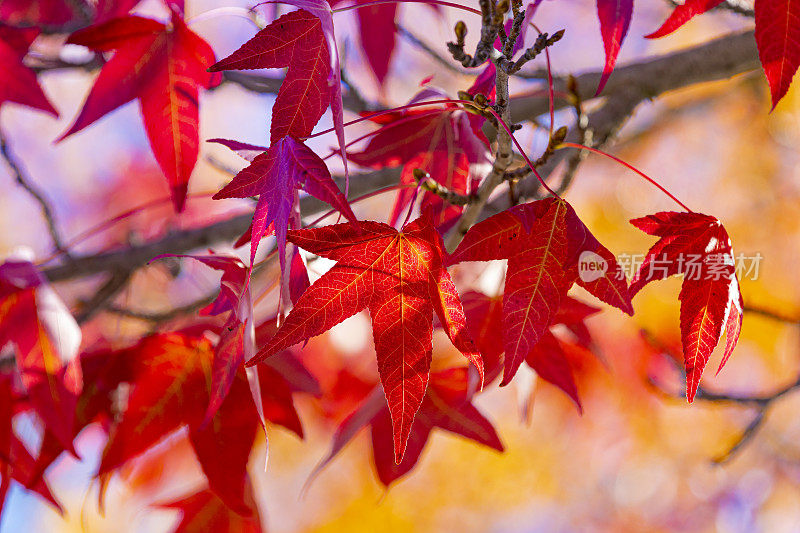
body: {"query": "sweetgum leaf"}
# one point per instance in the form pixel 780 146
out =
pixel 615 19
pixel 401 278
pixel 164 67
pixel 698 247
pixel 19 82
pixel 682 14
pixel 543 242
pixel 778 39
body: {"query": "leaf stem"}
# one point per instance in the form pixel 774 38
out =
pixel 516 143
pixel 630 167
pixel 392 110
pixel 239 12
pixel 431 2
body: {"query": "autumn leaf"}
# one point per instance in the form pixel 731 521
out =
pixel 294 40
pixel 401 278
pixel 46 340
pixel 236 342
pixel 105 10
pixel 170 379
pixel 777 36
pixel 19 82
pixel 698 247
pixel 164 66
pixel 39 12
pixel 378 35
pixel 615 19
pixel 377 32
pixel 275 176
pixel 682 14
pixel 168 391
pixel 322 10
pixel 447 405
pixel 60 13
pixel 22 469
pixel 223 444
pixel 544 242
pixel 778 39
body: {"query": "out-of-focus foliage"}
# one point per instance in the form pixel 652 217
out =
pixel 638 458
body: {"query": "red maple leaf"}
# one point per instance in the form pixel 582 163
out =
pixel 698 247
pixel 21 467
pixel 275 176
pixel 401 278
pixel 544 242
pixel 295 40
pixel 438 140
pixel 235 344
pixel 682 14
pixel 378 35
pixel 170 375
pixel 377 32
pixel 16 462
pixel 615 19
pixel 447 405
pixel 60 13
pixel 314 79
pixel 40 12
pixel 778 39
pixel 103 370
pixel 19 82
pixel 52 383
pixel 164 66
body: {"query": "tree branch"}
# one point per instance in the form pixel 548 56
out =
pixel 629 85
pixel 25 182
pixel 715 60
pixel 133 257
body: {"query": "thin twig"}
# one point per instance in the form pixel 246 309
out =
pixel 25 182
pixel 772 314
pixel 163 316
pixel 133 257
pixel 746 436
pixel 422 45
pixel 116 282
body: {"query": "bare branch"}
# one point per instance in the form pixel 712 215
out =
pixel 133 257
pixel 746 436
pixel 772 314
pixel 419 43
pixel 715 60
pixel 163 316
pixel 116 282
pixel 25 182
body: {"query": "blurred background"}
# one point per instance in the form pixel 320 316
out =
pixel 638 459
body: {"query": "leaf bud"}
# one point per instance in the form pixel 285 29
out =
pixel 420 174
pixel 464 95
pixel 481 100
pixel 461 31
